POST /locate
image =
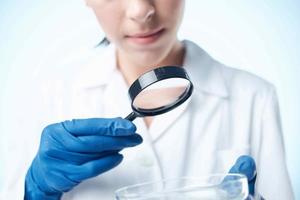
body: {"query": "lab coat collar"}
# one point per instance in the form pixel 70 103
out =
pixel 204 71
pixel 206 76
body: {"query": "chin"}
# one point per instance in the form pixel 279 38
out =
pixel 149 58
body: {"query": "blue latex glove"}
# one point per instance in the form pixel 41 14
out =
pixel 246 165
pixel 73 151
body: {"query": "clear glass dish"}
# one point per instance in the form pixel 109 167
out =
pixel 211 187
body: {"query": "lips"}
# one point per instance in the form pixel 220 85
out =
pixel 146 37
pixel 145 34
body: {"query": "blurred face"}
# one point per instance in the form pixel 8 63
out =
pixel 144 31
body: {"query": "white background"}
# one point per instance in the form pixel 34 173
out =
pixel 260 36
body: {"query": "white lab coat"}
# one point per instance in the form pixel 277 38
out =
pixel 230 113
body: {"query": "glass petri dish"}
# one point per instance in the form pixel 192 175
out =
pixel 210 187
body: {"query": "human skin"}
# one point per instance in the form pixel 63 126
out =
pixel 144 32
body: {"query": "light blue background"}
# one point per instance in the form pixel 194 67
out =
pixel 255 35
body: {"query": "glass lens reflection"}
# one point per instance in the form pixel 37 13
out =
pixel 161 93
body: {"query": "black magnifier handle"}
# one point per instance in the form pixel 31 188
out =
pixel 131 116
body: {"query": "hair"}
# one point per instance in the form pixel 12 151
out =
pixel 104 42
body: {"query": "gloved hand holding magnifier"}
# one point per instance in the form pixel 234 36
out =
pixel 75 150
pixel 159 91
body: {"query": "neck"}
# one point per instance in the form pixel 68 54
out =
pixel 131 69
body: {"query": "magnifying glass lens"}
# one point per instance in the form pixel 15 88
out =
pixel 161 94
pixel 159 91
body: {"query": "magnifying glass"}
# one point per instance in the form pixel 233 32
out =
pixel 159 91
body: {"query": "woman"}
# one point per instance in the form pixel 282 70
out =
pixel 231 113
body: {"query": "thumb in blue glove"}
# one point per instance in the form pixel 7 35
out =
pixel 246 165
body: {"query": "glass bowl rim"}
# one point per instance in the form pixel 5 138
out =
pixel 119 191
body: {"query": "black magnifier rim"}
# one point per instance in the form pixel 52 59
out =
pixel 153 76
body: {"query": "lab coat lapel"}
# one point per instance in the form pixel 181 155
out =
pixel 102 72
pixel 206 77
pixel 204 71
pixel 162 122
pixel 116 97
pixel 88 82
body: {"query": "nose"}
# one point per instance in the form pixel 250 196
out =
pixel 140 10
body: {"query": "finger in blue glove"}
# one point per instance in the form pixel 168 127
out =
pixel 246 165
